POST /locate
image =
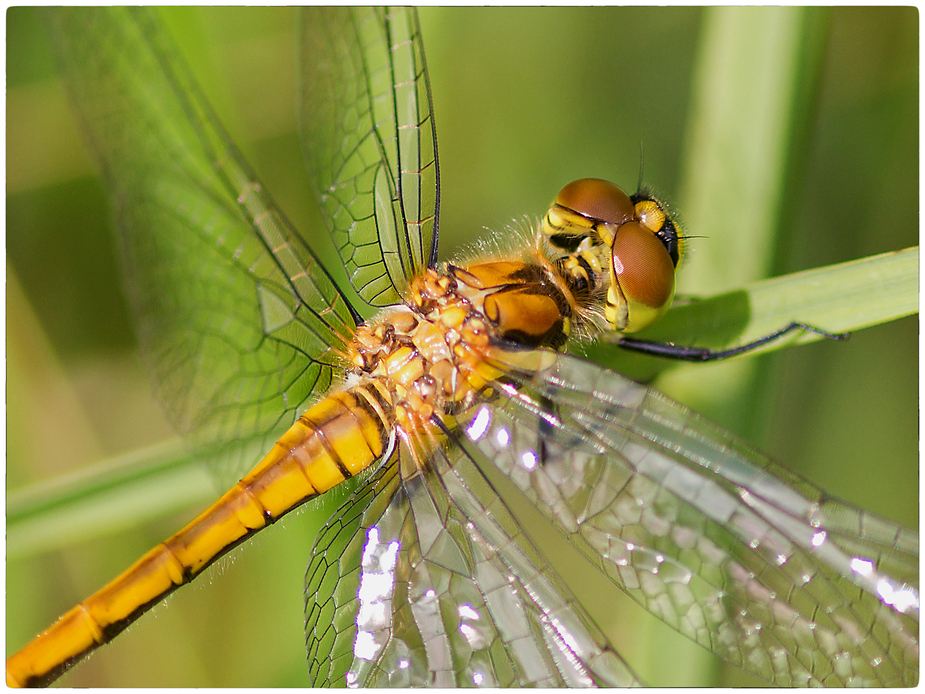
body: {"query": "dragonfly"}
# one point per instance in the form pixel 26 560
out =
pixel 364 285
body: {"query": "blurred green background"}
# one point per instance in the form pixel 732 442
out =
pixel 525 100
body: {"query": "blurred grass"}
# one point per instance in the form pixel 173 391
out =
pixel 580 89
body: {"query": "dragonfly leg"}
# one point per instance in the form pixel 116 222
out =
pixel 669 350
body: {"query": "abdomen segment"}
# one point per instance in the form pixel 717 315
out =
pixel 334 440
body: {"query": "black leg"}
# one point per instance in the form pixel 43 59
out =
pixel 669 350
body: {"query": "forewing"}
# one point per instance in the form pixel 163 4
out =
pixel 370 144
pixel 733 551
pixel 236 316
pixel 424 579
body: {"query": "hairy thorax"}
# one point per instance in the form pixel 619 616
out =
pixel 438 352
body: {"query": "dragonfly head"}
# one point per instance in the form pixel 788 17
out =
pixel 631 243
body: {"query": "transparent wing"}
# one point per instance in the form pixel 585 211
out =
pixel 370 144
pixel 236 316
pixel 424 579
pixel 741 556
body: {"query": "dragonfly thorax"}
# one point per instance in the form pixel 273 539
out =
pixel 434 355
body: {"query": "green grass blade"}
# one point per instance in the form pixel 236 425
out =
pixel 104 498
pixel 753 85
pixel 839 298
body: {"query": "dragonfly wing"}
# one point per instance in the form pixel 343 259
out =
pixel 370 143
pixel 738 554
pixel 236 316
pixel 424 579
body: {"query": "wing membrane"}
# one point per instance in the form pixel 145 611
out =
pixel 236 316
pixel 370 144
pixel 738 554
pixel 436 585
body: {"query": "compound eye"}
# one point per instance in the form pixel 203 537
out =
pixel 597 199
pixel 645 272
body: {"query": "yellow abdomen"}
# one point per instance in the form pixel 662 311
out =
pixel 332 441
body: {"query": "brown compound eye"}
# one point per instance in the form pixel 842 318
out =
pixel 645 273
pixel 587 210
pixel 597 199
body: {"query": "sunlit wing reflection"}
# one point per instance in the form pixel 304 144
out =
pixel 732 551
pixel 448 591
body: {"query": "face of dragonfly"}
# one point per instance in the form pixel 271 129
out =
pixel 493 122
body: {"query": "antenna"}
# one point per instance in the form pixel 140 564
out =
pixel 642 161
